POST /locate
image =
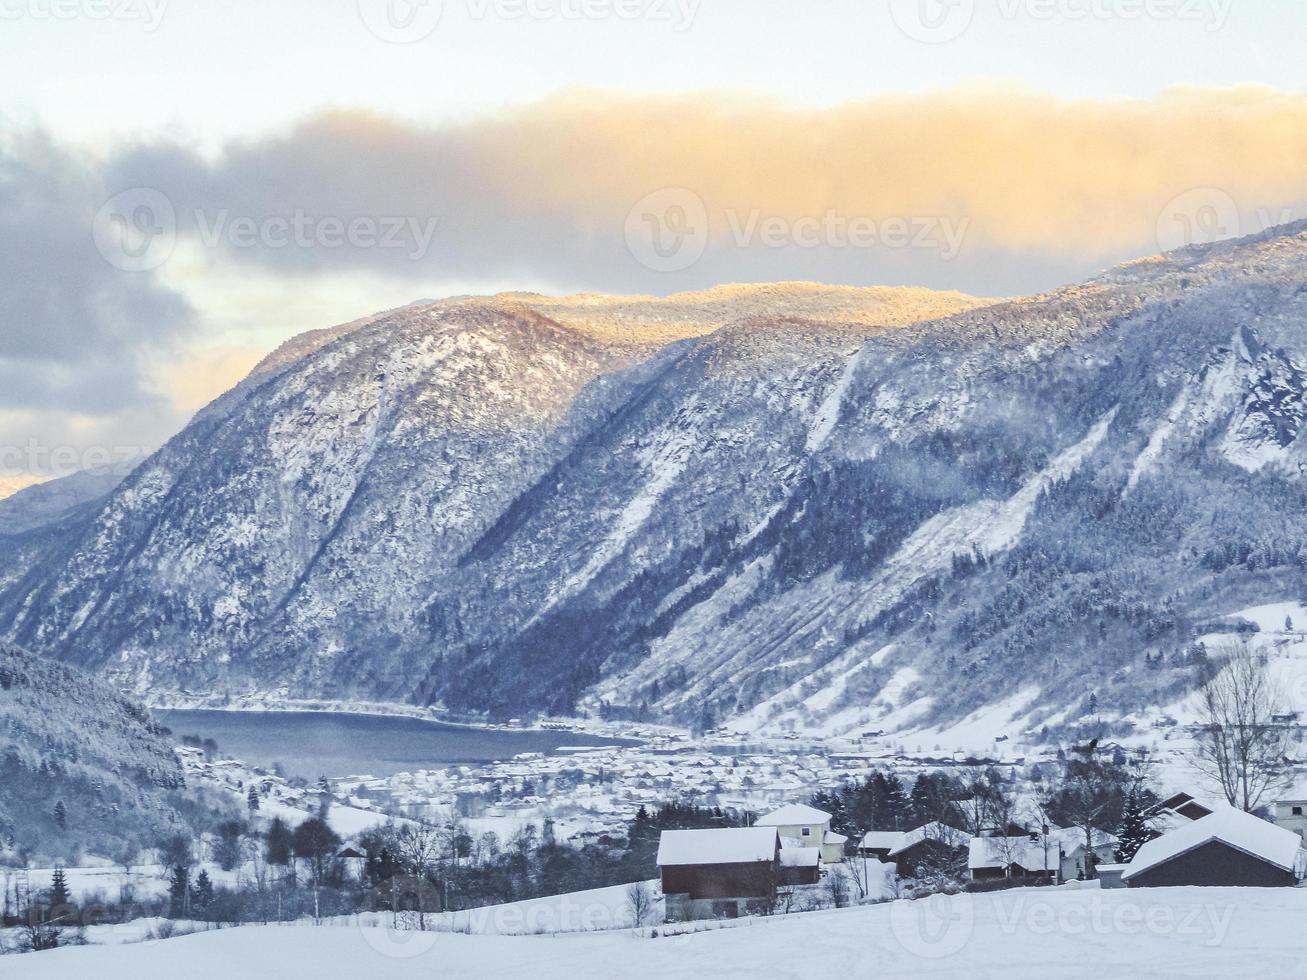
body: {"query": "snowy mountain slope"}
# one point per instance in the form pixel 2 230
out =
pixel 790 506
pixel 72 742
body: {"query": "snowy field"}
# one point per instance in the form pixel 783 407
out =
pixel 1025 934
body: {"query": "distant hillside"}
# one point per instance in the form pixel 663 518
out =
pixel 67 738
pixel 778 507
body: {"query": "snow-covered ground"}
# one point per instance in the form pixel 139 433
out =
pixel 1025 934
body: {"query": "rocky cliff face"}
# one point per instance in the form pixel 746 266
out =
pixel 793 506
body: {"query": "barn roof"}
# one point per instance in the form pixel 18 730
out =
pixel 1230 826
pixel 793 814
pixel 734 845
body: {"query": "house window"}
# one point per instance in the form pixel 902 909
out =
pixel 807 831
pixel 1297 811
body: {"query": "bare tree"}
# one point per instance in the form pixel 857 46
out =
pixel 639 903
pixel 1240 747
pixel 420 847
pixel 837 886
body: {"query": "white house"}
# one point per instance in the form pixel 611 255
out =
pixel 1071 841
pixel 810 827
pixel 1291 811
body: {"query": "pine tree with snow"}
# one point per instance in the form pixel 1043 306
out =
pixel 61 815
pixel 1134 829
pixel 59 896
pixel 252 799
pixel 1093 703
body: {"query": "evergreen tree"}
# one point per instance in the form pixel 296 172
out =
pixel 61 815
pixel 202 894
pixel 179 891
pixel 279 842
pixel 252 799
pixel 1134 829
pixel 59 897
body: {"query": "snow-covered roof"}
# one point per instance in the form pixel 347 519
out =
pixel 1071 838
pixel 734 845
pixel 830 837
pixel 800 857
pixel 999 852
pixel 794 814
pixel 932 831
pixel 882 840
pixel 1230 826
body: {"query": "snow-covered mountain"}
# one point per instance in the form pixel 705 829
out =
pixel 80 765
pixel 790 506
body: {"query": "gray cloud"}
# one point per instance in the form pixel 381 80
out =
pixel 74 330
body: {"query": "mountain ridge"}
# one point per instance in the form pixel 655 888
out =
pixel 779 519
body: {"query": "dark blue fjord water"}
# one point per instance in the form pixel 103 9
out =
pixel 320 743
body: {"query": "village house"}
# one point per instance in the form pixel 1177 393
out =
pixel 1071 841
pixel 1225 848
pixel 713 874
pixel 1291 811
pixel 909 851
pixel 808 826
pixel 1022 858
pixel 799 865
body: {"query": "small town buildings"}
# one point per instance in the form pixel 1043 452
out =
pixel 1021 858
pixel 1071 841
pixel 911 850
pixel 1291 812
pixel 879 844
pixel 722 873
pixel 1225 848
pixel 808 826
pixel 1109 875
pixel 799 865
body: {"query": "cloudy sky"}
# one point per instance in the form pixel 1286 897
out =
pixel 185 185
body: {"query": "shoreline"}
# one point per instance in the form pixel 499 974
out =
pixel 382 709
